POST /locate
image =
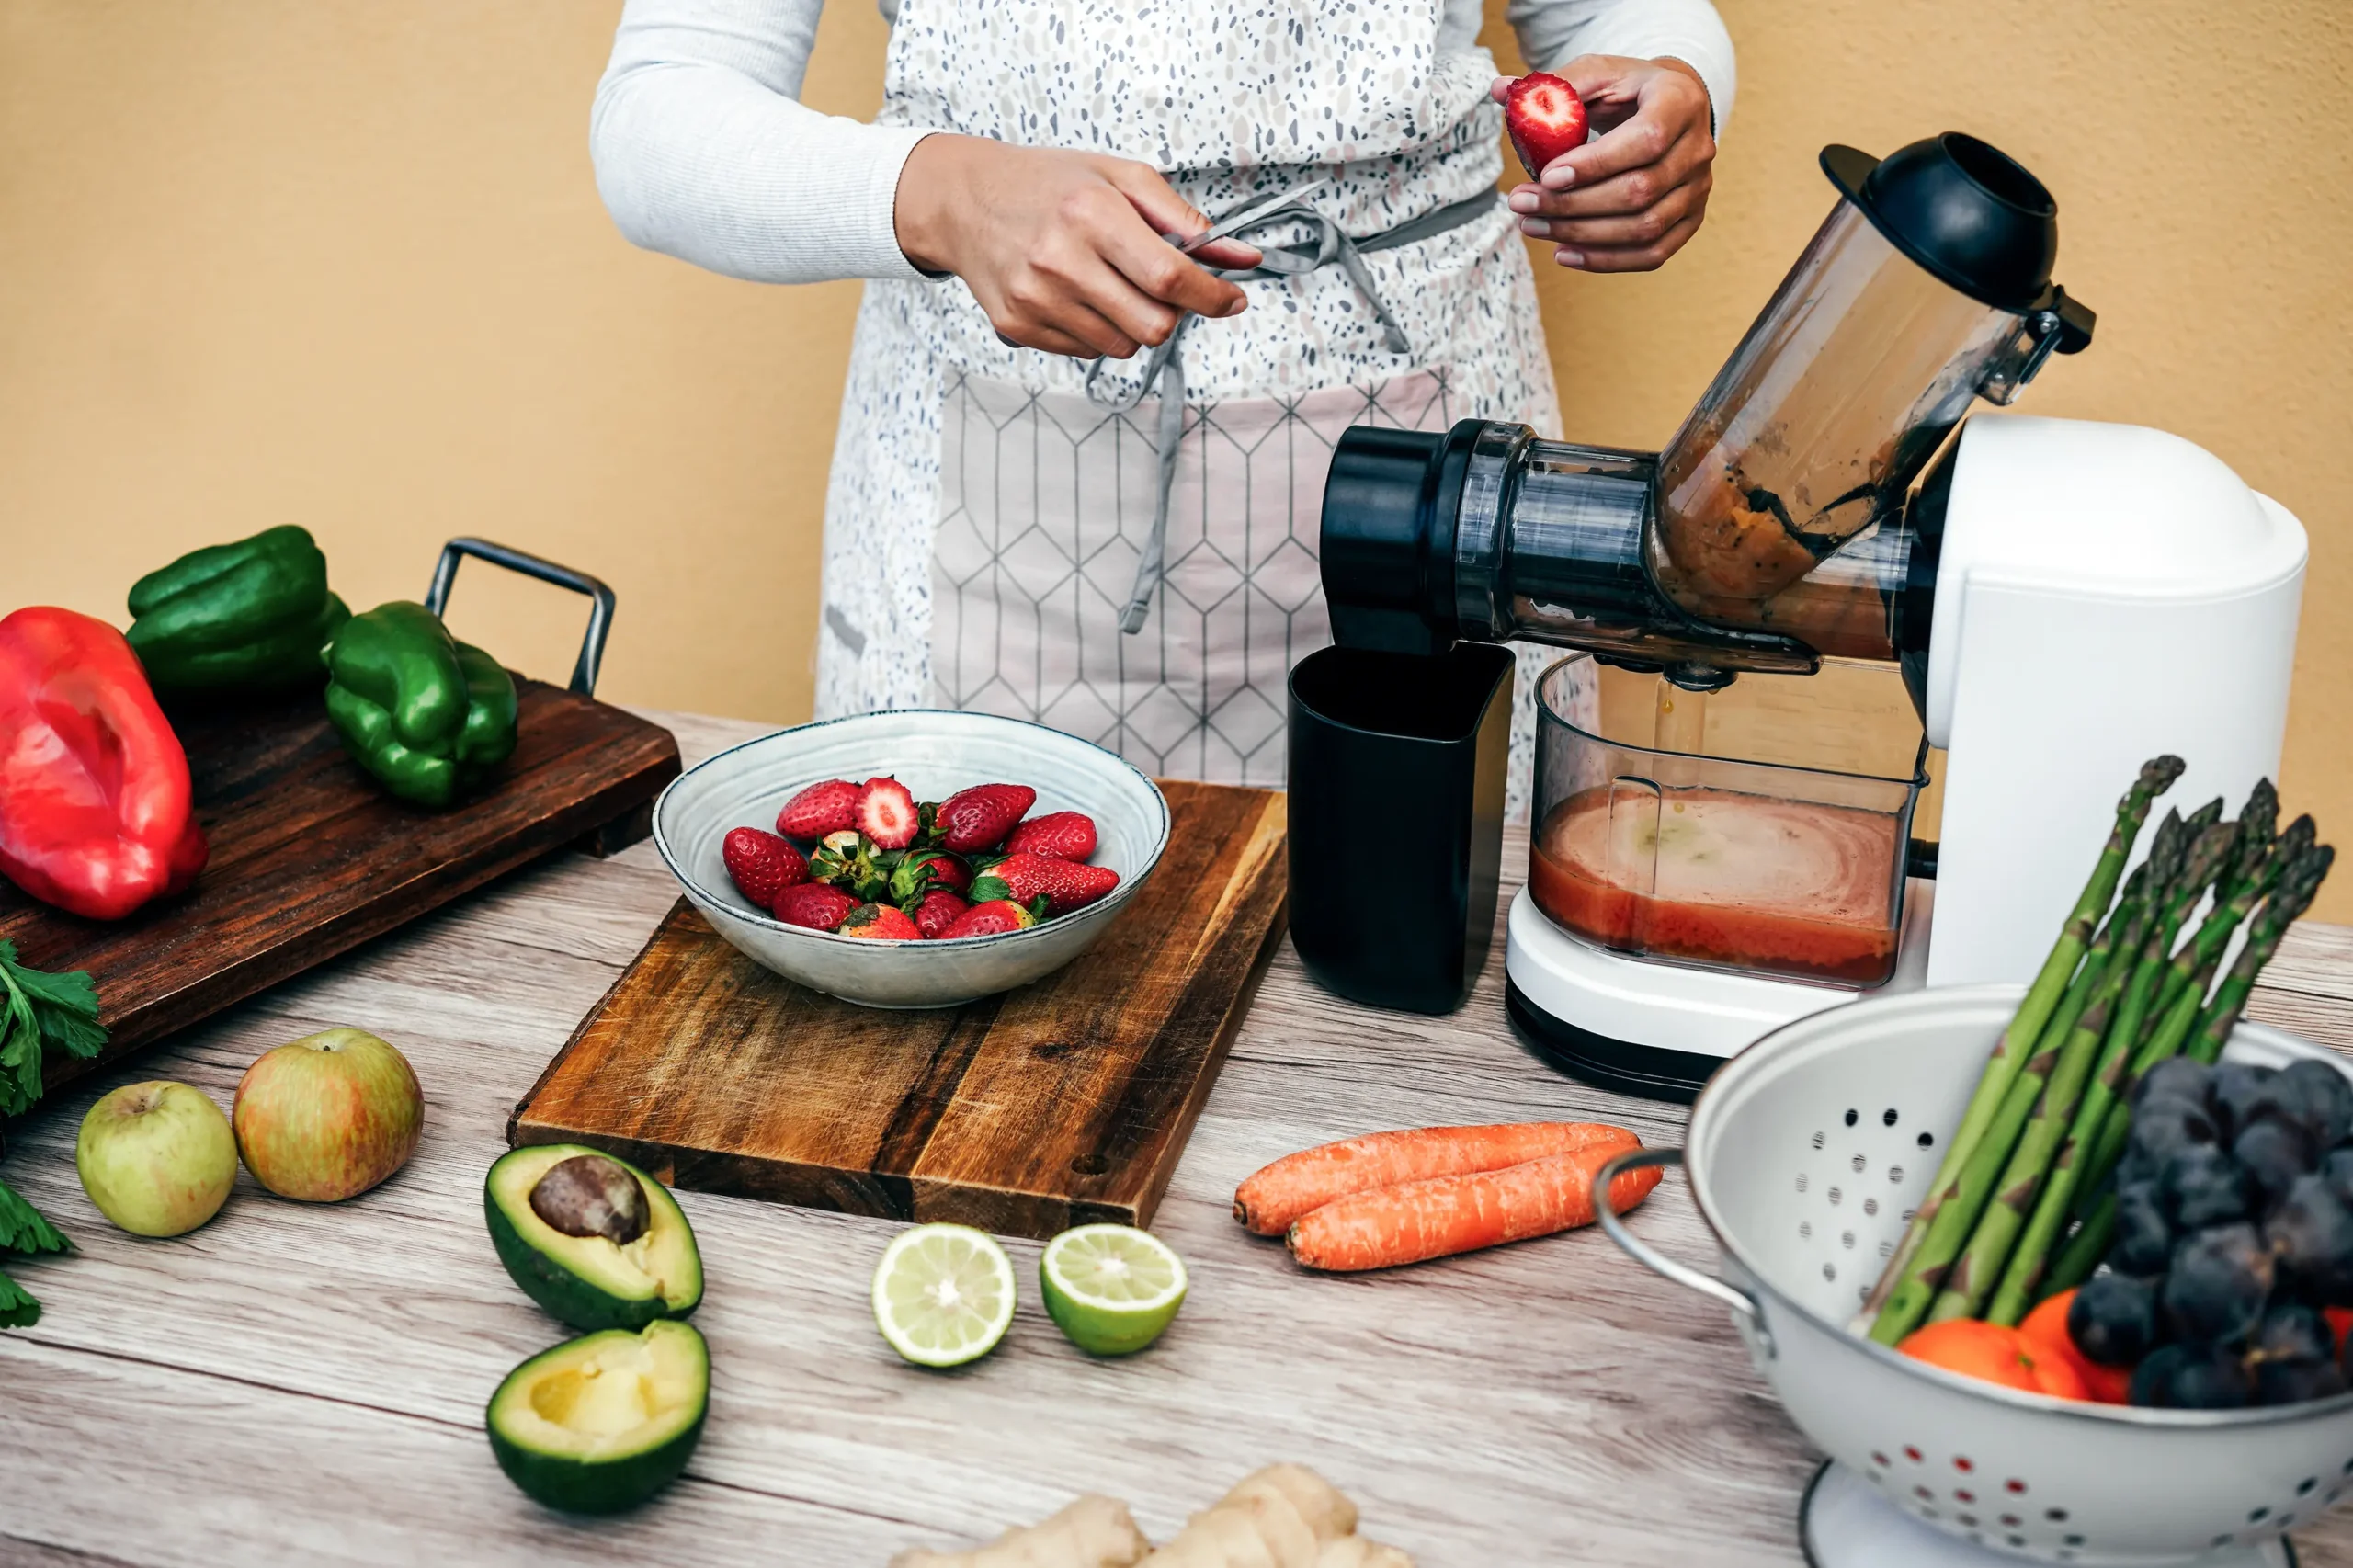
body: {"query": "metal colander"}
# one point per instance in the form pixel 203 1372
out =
pixel 1806 1154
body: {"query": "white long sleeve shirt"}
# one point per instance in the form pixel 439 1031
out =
pixel 704 152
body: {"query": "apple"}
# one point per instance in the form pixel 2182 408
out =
pixel 158 1159
pixel 328 1116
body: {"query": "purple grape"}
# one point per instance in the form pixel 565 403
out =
pixel 2273 1151
pixel 2295 1381
pixel 2164 1127
pixel 2218 1284
pixel 2192 1377
pixel 2326 1097
pixel 2311 1233
pixel 2291 1331
pixel 2114 1319
pixel 2202 1186
pixel 2144 1237
pixel 2238 1087
pixel 2336 1169
pixel 2175 1078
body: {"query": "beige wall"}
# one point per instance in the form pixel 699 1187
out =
pixel 340 261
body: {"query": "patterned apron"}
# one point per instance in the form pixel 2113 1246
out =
pixel 1127 550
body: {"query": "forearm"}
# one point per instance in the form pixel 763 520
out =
pixel 703 151
pixel 1553 31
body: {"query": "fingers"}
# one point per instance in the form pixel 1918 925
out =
pixel 1670 108
pixel 1166 212
pixel 1631 258
pixel 1154 266
pixel 1646 227
pixel 1635 190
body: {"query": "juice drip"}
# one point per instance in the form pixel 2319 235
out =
pixel 1748 881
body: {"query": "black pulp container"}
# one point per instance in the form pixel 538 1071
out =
pixel 1397 819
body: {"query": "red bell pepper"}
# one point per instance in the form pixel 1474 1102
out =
pixel 95 811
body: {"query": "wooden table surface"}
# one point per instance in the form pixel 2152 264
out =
pixel 304 1384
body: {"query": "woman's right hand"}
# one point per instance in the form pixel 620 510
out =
pixel 1062 249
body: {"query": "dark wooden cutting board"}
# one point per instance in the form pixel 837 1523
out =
pixel 1062 1103
pixel 310 857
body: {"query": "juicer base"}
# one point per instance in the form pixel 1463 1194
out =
pixel 1844 1522
pixel 1644 1071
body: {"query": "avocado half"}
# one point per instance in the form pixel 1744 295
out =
pixel 588 1282
pixel 602 1423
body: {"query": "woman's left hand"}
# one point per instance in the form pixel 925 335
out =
pixel 1632 196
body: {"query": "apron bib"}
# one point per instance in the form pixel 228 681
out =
pixel 1006 533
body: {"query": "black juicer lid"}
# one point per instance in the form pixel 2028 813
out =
pixel 1961 207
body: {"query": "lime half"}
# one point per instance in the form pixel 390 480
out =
pixel 1110 1289
pixel 943 1294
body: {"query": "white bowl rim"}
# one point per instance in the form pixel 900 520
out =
pixel 2046 1404
pixel 766 920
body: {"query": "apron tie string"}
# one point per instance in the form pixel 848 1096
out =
pixel 1165 367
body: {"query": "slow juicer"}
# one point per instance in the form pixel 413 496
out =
pixel 2062 599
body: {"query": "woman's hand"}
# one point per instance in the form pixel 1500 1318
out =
pixel 1630 198
pixel 1061 249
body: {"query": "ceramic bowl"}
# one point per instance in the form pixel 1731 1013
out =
pixel 934 752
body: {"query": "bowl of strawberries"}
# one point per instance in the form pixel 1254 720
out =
pixel 914 858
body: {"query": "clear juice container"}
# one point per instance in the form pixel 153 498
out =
pixel 1730 863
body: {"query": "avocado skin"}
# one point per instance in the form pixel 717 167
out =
pixel 560 1293
pixel 604 1486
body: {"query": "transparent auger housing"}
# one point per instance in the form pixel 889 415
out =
pixel 1721 862
pixel 1811 433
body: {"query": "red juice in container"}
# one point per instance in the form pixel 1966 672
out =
pixel 1760 866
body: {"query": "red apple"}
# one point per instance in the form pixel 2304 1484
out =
pixel 328 1116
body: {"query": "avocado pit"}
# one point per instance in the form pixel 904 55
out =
pixel 589 1195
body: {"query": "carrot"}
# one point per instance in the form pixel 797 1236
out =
pixel 1297 1183
pixel 1447 1214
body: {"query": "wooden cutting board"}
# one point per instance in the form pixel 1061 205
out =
pixel 310 857
pixel 1064 1102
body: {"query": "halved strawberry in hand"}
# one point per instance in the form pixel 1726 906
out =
pixel 886 813
pixel 990 919
pixel 938 910
pixel 815 905
pixel 1058 835
pixel 761 864
pixel 979 817
pixel 1025 878
pixel 819 809
pixel 1545 118
pixel 880 923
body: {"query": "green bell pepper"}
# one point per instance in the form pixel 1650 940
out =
pixel 428 715
pixel 253 615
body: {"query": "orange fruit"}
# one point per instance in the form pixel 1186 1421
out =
pixel 1995 1354
pixel 2047 1339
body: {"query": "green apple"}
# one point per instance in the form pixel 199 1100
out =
pixel 328 1116
pixel 157 1159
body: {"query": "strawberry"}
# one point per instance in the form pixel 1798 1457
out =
pixel 761 864
pixel 920 870
pixel 846 860
pixel 1025 878
pixel 886 813
pixel 1058 835
pixel 819 809
pixel 880 923
pixel 1545 118
pixel 989 920
pixel 938 910
pixel 815 905
pixel 979 817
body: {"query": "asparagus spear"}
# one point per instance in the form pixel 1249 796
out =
pixel 1956 1218
pixel 2025 1027
pixel 2253 864
pixel 1980 1265
pixel 2015 1293
pixel 2299 880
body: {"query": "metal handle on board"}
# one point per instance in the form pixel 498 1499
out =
pixel 1657 1262
pixel 600 605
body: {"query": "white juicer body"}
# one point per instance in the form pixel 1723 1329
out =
pixel 2104 593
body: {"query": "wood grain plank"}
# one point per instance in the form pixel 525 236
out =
pixel 1544 1404
pixel 1063 1102
pixel 310 858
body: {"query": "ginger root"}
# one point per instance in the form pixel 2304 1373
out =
pixel 1285 1516
pixel 1094 1532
